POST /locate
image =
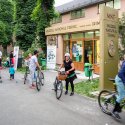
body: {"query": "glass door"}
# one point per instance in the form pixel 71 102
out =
pixel 88 51
pixel 66 47
pixel 77 51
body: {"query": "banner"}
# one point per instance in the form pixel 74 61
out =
pixel 16 51
pixel 51 57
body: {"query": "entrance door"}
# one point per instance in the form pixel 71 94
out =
pixel 77 54
pixel 88 51
pixel 92 53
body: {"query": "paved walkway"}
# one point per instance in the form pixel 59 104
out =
pixel 20 105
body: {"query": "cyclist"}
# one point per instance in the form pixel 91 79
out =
pixel 32 67
pixel 70 71
pixel 120 82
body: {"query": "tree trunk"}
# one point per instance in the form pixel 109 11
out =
pixel 4 50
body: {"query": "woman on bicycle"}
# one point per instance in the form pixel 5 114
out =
pixel 120 82
pixel 70 71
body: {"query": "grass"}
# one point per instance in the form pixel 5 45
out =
pixel 86 87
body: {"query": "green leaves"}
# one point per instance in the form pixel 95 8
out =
pixel 26 28
pixel 6 17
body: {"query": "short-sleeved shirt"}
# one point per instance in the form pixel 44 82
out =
pixel 33 62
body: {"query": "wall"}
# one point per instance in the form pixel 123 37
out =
pixel 59 52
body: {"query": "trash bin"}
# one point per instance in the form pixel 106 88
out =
pixel 19 65
pixel 87 70
pixel 43 62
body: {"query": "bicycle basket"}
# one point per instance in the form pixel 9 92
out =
pixel 62 76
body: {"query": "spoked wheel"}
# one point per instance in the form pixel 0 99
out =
pixel 38 82
pixel 25 78
pixel 59 89
pixel 41 76
pixel 106 100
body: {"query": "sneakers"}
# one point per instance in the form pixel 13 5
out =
pixel 72 93
pixel 116 115
pixel 33 86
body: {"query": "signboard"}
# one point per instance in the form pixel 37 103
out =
pixel 51 57
pixel 109 46
pixel 90 24
pixel 16 51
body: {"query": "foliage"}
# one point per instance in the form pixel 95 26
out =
pixel 86 87
pixel 42 14
pixel 25 32
pixel 6 17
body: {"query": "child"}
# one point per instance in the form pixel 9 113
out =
pixel 11 71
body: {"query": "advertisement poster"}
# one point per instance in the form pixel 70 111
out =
pixel 16 51
pixel 51 57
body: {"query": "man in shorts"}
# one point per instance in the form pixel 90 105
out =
pixel 32 67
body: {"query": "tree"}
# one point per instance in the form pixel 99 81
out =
pixel 6 14
pixel 42 14
pixel 25 31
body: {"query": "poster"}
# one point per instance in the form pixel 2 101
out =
pixel 51 57
pixel 16 51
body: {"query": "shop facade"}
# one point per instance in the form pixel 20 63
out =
pixel 80 39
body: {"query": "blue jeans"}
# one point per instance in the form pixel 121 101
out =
pixel 120 89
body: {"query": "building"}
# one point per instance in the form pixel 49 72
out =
pixel 76 30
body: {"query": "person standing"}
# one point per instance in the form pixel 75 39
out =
pixel 11 58
pixel 32 67
pixel 11 71
pixel 70 71
pixel 0 58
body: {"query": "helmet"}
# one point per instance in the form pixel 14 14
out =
pixel 67 54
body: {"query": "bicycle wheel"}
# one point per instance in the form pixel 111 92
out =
pixel 106 101
pixel 38 83
pixel 41 76
pixel 25 78
pixel 59 89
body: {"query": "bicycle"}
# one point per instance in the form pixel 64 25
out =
pixel 26 74
pixel 39 79
pixel 107 99
pixel 58 85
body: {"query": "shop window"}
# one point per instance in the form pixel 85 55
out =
pixel 110 4
pixel 66 37
pixel 97 52
pixel 89 34
pixel 117 4
pixel 77 51
pixel 99 6
pixel 77 35
pixel 66 47
pixel 88 51
pixel 78 14
pixel 56 20
pixel 97 34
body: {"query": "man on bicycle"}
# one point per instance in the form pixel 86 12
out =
pixel 120 82
pixel 32 67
